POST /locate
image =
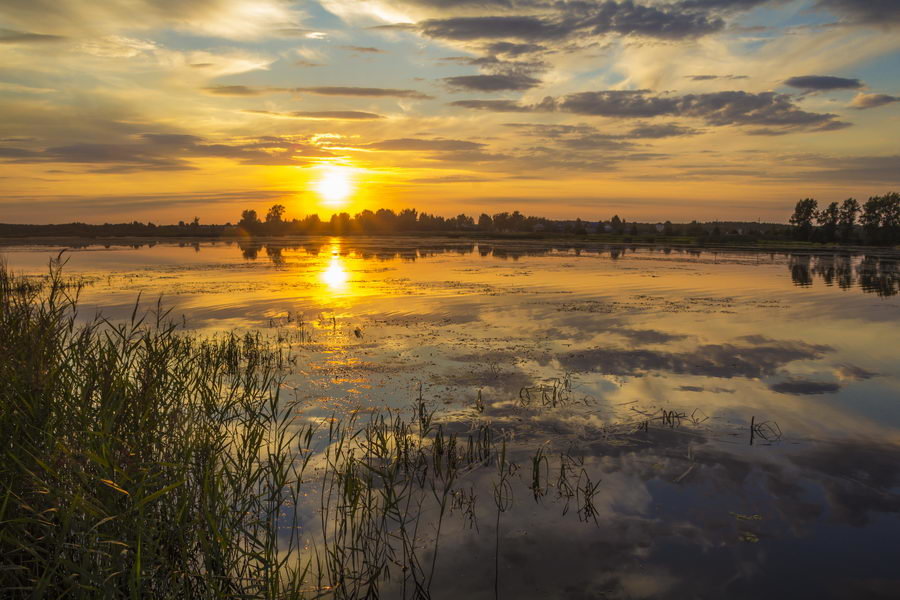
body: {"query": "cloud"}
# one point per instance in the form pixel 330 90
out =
pixel 712 77
pixel 241 90
pixel 760 358
pixel 364 49
pixel 169 152
pixel 492 83
pixel 341 115
pixel 854 169
pixel 684 20
pixel 494 27
pixel 776 112
pixel 698 388
pixel 244 90
pixel 865 101
pixel 512 49
pixel 492 105
pixel 414 144
pixel 802 387
pixel 662 130
pixel 363 91
pixel 216 18
pixel 823 83
pixel 10 36
pixel 868 12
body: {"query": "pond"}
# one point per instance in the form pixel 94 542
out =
pixel 705 423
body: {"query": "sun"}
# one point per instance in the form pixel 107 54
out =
pixel 335 184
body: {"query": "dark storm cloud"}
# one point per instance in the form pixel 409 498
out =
pixel 10 36
pixel 802 387
pixel 493 83
pixel 341 115
pixel 777 112
pixel 873 12
pixel 823 83
pixel 865 101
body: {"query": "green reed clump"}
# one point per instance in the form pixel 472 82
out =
pixel 137 461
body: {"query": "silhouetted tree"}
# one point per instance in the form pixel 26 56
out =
pixel 828 220
pixel 485 222
pixel 407 219
pixel 248 219
pixel 275 214
pixel 847 218
pixel 616 224
pixel 802 219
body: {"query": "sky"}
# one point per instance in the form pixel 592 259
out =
pixel 163 110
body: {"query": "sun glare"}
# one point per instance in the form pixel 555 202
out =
pixel 335 276
pixel 335 184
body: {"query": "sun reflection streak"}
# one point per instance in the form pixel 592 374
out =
pixel 335 276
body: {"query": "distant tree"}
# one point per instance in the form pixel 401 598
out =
pixel 248 218
pixel 275 215
pixel 871 219
pixel 891 216
pixel 385 220
pixel 195 222
pixel 485 222
pixel 695 229
pixel 802 219
pixel 667 228
pixel 634 229
pixel 407 219
pixel 847 218
pixel 616 224
pixel 827 219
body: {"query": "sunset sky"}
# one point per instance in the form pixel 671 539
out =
pixel 121 110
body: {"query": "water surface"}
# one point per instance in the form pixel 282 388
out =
pixel 647 366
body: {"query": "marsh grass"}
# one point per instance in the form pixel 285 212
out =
pixel 144 461
pixel 138 462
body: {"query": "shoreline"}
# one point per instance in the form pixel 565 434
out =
pixel 572 241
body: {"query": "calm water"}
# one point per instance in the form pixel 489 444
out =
pixel 567 347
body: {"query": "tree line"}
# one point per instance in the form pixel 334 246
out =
pixel 877 222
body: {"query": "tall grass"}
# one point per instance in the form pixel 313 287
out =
pixel 137 462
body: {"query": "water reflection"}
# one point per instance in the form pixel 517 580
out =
pixel 871 273
pixel 335 275
pixel 489 330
